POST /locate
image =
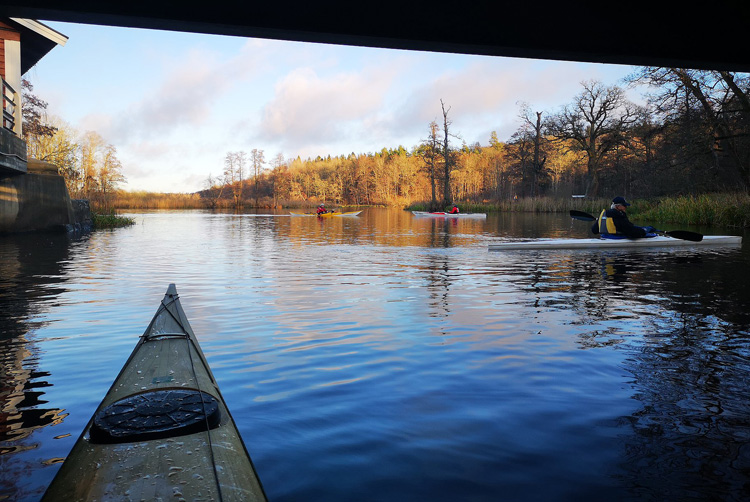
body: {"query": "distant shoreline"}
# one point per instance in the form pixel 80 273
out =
pixel 713 210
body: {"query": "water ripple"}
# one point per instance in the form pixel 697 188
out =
pixel 393 358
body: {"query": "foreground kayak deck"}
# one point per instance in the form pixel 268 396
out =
pixel 163 431
pixel 658 241
pixel 327 215
pixel 440 214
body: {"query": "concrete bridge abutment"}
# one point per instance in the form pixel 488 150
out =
pixel 39 201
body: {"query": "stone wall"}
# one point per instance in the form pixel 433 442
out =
pixel 13 157
pixel 82 214
pixel 39 201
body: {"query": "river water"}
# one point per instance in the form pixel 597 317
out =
pixel 387 357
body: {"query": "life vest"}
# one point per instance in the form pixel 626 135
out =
pixel 606 225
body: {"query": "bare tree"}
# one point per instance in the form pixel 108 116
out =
pixel 214 187
pixel 61 150
pixel 34 110
pixel 110 173
pixel 92 146
pixel 234 174
pixel 429 152
pixel 448 158
pixel 532 130
pixel 257 160
pixel 595 123
pixel 721 99
pixel 278 164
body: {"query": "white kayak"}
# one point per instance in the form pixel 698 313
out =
pixel 598 243
pixel 441 214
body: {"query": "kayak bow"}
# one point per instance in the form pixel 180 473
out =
pixel 163 431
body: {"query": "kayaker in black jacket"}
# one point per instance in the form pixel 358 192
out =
pixel 615 221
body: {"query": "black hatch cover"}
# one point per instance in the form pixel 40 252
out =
pixel 156 414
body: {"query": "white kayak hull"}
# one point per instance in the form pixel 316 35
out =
pixel 439 214
pixel 658 241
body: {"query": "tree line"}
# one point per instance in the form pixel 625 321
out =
pixel 691 135
pixel 88 163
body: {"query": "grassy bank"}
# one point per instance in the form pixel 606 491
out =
pixel 525 205
pixel 109 219
pixel 721 210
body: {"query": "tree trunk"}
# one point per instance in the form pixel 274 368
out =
pixel 447 198
pixel 538 163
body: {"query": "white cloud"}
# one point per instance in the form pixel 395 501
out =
pixel 174 104
pixel 308 109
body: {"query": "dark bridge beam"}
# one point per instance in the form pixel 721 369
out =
pixel 709 35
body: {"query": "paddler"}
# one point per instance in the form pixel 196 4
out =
pixel 614 221
pixel 322 209
pixel 454 210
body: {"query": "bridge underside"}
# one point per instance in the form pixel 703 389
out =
pixel 706 36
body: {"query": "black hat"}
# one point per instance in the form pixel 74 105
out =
pixel 621 201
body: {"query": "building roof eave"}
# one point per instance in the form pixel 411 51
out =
pixel 38 39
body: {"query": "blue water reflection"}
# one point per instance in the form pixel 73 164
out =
pixel 387 357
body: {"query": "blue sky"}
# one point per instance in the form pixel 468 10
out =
pixel 174 104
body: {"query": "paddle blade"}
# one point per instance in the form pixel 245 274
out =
pixel 580 215
pixel 685 235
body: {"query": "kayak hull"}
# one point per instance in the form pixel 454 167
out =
pixel 439 214
pixel 327 215
pixel 658 241
pixel 210 463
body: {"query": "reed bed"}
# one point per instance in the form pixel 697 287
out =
pixel 721 210
pixel 525 205
pixel 108 218
pixel 150 200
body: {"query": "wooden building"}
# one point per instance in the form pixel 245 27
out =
pixel 33 196
pixel 23 42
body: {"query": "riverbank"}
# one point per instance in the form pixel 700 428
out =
pixel 720 210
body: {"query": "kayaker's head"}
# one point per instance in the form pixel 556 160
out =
pixel 322 205
pixel 621 202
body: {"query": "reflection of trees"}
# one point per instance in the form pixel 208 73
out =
pixel 690 360
pixel 30 266
pixel 691 376
pixel 439 282
pixel 396 228
pixel 692 430
pixel 438 232
pixel 20 412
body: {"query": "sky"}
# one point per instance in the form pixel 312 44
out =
pixel 174 104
